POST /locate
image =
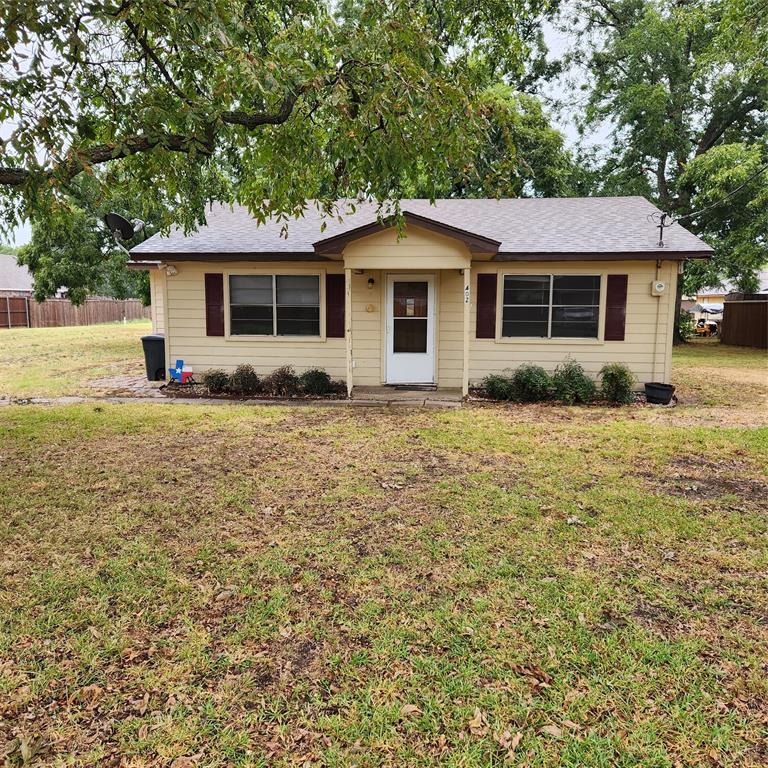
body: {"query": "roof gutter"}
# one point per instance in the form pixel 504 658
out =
pixel 602 256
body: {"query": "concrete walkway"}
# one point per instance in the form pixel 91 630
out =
pixel 361 402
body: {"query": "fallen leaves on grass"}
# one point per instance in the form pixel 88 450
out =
pixel 90 695
pixel 478 725
pixel 509 742
pixel 534 675
pixel 409 710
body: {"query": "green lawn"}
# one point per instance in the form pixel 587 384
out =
pixel 50 362
pixel 189 585
pixel 232 586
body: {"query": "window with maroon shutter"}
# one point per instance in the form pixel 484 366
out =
pixel 615 307
pixel 486 306
pixel 214 304
pixel 334 306
pixel 550 306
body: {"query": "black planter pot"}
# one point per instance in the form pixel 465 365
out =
pixel 658 393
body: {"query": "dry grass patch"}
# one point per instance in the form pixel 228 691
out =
pixel 53 362
pixel 232 586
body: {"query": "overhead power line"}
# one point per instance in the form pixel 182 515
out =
pixel 709 207
pixel 663 220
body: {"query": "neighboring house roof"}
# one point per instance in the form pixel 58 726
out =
pixel 598 227
pixel 728 287
pixel 13 277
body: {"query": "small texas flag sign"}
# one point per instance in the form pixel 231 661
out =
pixel 180 372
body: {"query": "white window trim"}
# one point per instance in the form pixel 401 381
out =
pixel 549 339
pixel 273 338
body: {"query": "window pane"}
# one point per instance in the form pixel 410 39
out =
pixel 298 289
pixel 410 299
pixel 251 327
pixel 410 335
pixel 294 320
pixel 526 314
pixel 576 289
pixel 575 322
pixel 524 321
pixel 250 319
pixel 250 289
pixel 526 289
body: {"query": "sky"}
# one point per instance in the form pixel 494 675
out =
pixel 557 42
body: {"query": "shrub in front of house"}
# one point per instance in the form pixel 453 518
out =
pixel 244 381
pixel 571 385
pixel 526 384
pixel 215 381
pixel 498 387
pixel 282 382
pixel 531 384
pixel 617 382
pixel 316 381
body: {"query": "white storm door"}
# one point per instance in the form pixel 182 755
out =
pixel 410 336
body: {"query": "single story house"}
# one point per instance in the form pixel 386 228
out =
pixel 708 303
pixel 462 289
pixel 15 278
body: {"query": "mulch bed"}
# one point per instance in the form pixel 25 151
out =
pixel 196 391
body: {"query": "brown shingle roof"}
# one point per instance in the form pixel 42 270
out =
pixel 574 225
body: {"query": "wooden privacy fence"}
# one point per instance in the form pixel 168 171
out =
pixel 23 312
pixel 745 321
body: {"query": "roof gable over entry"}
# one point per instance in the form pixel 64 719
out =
pixel 421 248
pixel 475 243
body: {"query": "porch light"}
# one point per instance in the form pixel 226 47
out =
pixel 371 283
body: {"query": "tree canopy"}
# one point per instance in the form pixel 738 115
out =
pixel 267 102
pixel 685 88
pixel 155 108
pixel 163 106
pixel 71 249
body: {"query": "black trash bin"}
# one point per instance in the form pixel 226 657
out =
pixel 154 356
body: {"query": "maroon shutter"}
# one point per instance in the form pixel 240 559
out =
pixel 486 306
pixel 214 304
pixel 334 306
pixel 615 307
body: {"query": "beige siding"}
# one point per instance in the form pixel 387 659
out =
pixel 421 249
pixel 369 320
pixel 186 326
pixel 647 346
pixel 450 329
pixel 368 328
pixel 157 299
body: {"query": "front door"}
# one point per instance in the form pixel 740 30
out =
pixel 410 329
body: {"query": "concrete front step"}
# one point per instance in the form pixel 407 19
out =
pixel 447 397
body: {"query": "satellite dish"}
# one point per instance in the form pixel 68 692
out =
pixel 121 228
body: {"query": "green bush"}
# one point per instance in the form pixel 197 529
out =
pixel 498 387
pixel 685 325
pixel 616 383
pixel 316 381
pixel 531 383
pixel 571 384
pixel 282 382
pixel 244 381
pixel 215 381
